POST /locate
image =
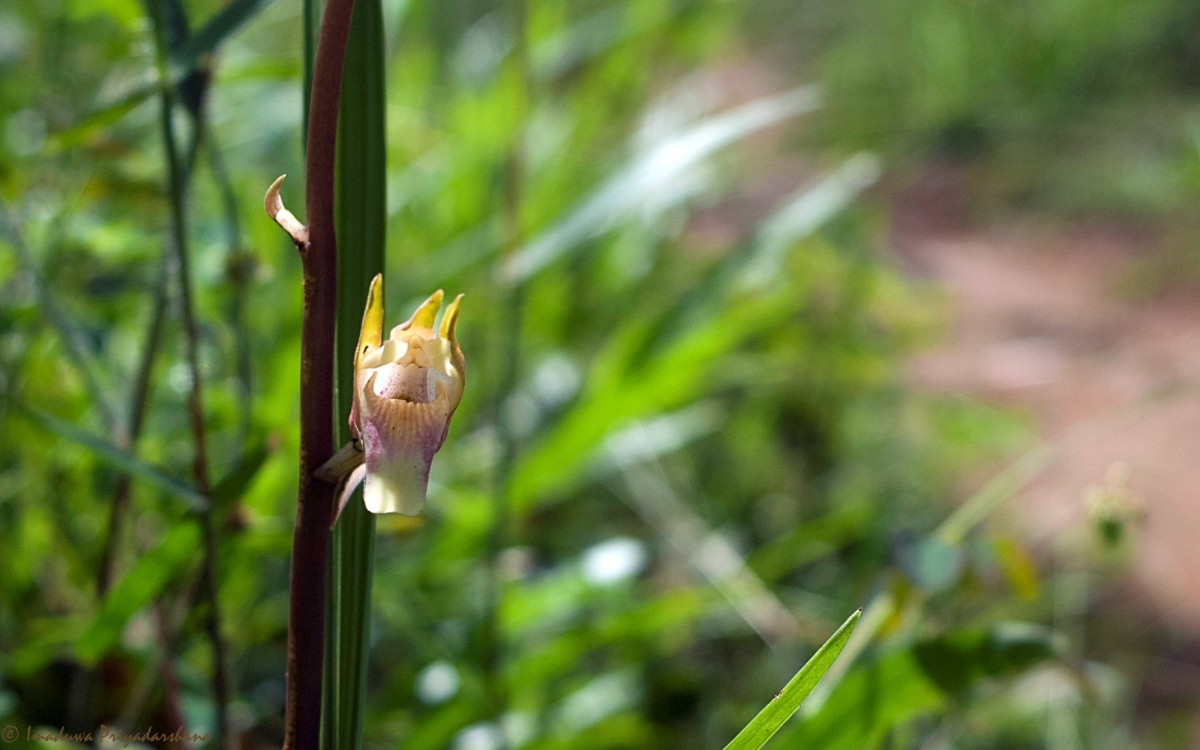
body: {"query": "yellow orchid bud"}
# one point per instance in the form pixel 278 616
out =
pixel 406 388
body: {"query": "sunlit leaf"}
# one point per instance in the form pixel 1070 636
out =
pixel 651 174
pixel 891 690
pixel 768 721
pixel 648 439
pixel 125 12
pixel 231 486
pixel 100 118
pixel 673 377
pixel 804 212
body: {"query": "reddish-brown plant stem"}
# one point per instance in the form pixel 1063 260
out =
pixel 314 508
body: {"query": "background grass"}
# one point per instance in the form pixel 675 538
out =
pixel 686 451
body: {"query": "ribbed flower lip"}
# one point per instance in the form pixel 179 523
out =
pixel 406 389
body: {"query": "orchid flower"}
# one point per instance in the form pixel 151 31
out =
pixel 406 388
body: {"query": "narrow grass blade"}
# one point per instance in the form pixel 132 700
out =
pixel 219 28
pixel 140 586
pixel 361 224
pixel 116 458
pixel 1003 486
pixel 652 173
pixel 780 709
pixel 806 211
pixel 924 678
pixel 649 492
pixel 183 58
pixel 619 393
pixel 100 118
pixel 80 354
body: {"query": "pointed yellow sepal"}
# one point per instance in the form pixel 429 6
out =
pixel 370 335
pixel 424 316
pixel 406 389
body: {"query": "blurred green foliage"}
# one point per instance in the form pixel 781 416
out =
pixel 1068 106
pixel 713 454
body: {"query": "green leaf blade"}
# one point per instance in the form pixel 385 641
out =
pixel 773 716
pixel 120 460
pixel 921 678
pixel 140 586
pixel 216 31
pixel 361 217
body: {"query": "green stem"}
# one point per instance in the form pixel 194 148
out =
pixel 361 228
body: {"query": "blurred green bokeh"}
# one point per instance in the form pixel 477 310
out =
pixel 715 453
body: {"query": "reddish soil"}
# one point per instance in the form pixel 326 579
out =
pixel 1043 321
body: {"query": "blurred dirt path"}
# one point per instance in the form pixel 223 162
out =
pixel 1043 320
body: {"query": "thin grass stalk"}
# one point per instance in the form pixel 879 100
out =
pixel 139 398
pixel 140 394
pixel 133 427
pixel 195 404
pixel 164 665
pixel 239 269
pixel 361 228
pixel 315 499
